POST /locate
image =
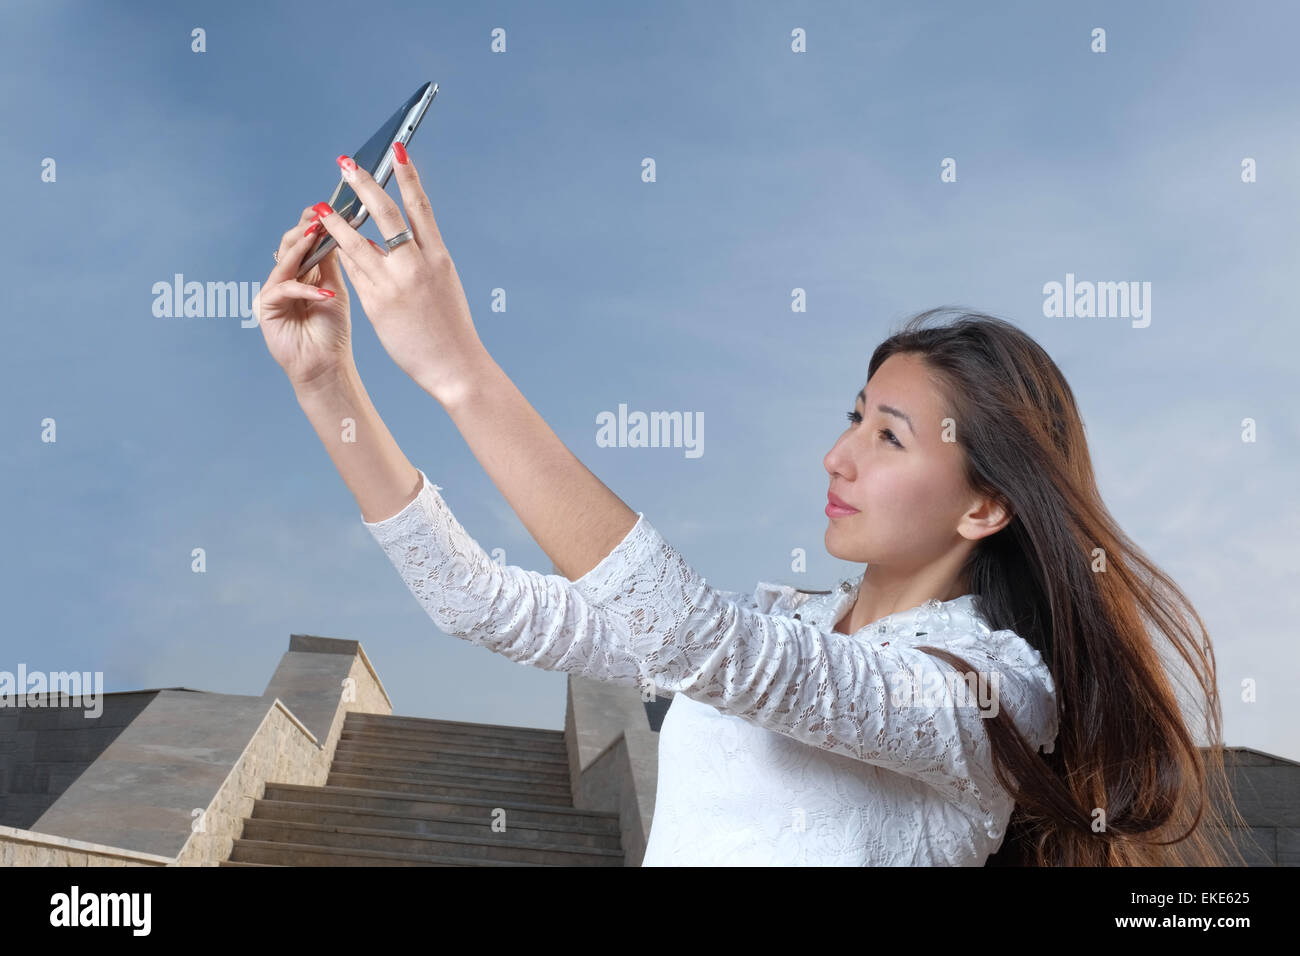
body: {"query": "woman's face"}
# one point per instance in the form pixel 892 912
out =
pixel 894 467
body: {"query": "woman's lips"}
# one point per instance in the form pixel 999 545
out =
pixel 835 508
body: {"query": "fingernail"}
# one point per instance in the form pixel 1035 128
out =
pixel 348 166
pixel 400 152
pixel 312 228
pixel 323 208
pixel 326 292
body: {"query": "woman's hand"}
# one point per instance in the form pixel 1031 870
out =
pixel 307 329
pixel 411 294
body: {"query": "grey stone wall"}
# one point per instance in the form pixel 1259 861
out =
pixel 44 749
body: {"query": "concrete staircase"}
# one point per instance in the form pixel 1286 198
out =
pixel 408 791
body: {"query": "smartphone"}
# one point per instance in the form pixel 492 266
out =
pixel 376 158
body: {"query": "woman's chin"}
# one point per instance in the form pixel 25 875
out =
pixel 832 540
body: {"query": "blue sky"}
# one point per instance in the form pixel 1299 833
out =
pixel 775 171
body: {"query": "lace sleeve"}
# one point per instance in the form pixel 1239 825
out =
pixel 534 619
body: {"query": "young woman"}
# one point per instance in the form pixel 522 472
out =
pixel 987 687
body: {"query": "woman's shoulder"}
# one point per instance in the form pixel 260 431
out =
pixel 1025 687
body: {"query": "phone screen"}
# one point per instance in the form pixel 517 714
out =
pixel 369 157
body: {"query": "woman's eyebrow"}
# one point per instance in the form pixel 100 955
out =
pixel 889 410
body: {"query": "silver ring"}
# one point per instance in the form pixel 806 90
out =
pixel 403 236
pixel 276 255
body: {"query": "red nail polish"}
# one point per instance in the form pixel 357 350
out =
pixel 346 162
pixel 326 292
pixel 400 152
pixel 312 228
pixel 323 208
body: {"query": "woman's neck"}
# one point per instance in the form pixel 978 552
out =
pixel 880 596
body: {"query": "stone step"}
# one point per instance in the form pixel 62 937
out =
pixel 453 728
pixel 291 854
pixel 458 743
pixel 406 803
pixel 416 758
pixel 415 791
pixel 237 863
pixel 496 847
pixel 602 837
pixel 474 776
pixel 500 793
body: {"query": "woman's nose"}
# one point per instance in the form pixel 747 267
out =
pixel 836 462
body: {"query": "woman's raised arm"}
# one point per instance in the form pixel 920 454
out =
pixel 379 475
pixel 414 299
pixel 570 512
pixel 308 331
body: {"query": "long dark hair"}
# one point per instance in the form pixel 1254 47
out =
pixel 1063 575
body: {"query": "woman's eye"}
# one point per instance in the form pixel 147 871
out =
pixel 855 417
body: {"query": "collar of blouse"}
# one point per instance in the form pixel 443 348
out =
pixel 931 616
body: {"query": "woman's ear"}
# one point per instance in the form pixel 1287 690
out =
pixel 987 516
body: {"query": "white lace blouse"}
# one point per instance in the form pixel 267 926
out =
pixel 786 743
